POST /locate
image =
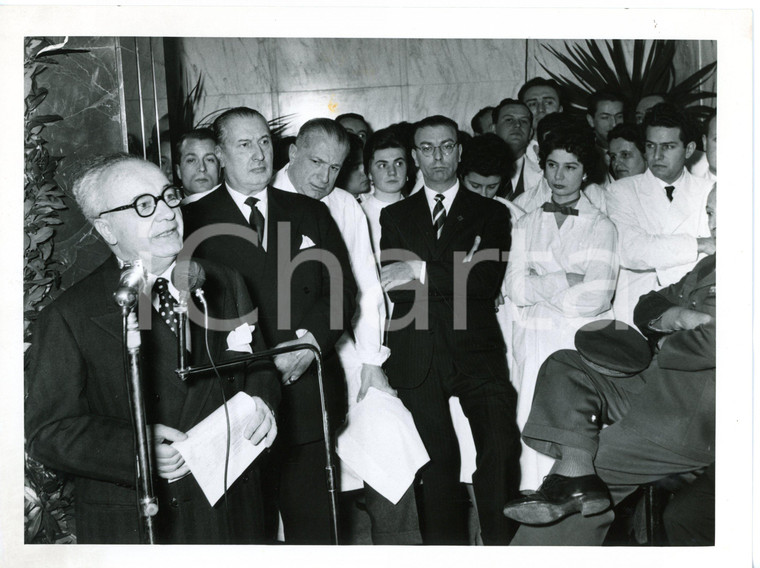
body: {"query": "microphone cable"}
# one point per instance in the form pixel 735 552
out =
pixel 199 294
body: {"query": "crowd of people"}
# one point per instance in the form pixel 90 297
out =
pixel 519 321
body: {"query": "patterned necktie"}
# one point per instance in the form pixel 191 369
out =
pixel 551 207
pixel 439 215
pixel 166 303
pixel 256 219
pixel 669 191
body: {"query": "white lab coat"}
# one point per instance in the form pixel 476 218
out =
pixel 548 310
pixel 657 238
pixel 534 198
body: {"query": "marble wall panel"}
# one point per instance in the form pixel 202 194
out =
pixel 209 106
pixel 459 102
pixel 381 106
pixel 228 66
pixel 83 88
pixel 447 61
pixel 319 64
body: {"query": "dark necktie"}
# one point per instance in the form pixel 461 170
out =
pixel 256 219
pixel 551 207
pixel 669 189
pixel 509 189
pixel 439 215
pixel 166 303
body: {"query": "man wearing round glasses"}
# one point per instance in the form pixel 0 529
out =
pixel 76 410
pixel 457 348
pixel 135 219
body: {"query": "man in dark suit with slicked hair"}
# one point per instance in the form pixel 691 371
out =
pixel 295 302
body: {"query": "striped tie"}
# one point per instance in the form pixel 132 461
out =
pixel 439 215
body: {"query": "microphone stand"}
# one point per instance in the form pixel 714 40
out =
pixel 185 373
pixel 148 504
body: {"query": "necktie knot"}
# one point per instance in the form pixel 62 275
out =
pixel 439 215
pixel 669 189
pixel 255 219
pixel 166 303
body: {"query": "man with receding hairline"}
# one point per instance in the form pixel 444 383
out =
pixel 286 224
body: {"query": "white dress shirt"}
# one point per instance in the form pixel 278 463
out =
pixel 262 206
pixel 192 197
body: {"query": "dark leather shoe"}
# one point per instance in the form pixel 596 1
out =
pixel 558 497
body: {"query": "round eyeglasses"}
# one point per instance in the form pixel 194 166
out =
pixel 446 148
pixel 145 205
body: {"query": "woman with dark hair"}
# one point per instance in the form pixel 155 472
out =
pixel 561 274
pixel 386 164
pixel 352 177
pixel 553 125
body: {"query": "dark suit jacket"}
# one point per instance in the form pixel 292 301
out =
pixel 78 415
pixel 311 305
pixel 677 406
pixel 478 350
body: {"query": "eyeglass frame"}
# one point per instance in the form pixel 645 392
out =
pixel 155 199
pixel 431 149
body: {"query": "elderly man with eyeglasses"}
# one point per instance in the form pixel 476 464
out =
pixel 443 264
pixel 77 412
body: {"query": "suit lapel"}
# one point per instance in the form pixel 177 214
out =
pixel 420 218
pixel 107 313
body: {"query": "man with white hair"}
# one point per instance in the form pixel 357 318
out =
pixel 77 414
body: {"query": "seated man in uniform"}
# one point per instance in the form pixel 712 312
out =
pixel 660 421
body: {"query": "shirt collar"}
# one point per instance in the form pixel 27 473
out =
pixel 676 183
pixel 239 199
pixel 449 196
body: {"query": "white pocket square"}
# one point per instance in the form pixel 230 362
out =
pixel 306 242
pixel 240 338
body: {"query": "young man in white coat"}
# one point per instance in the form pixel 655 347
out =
pixel 660 214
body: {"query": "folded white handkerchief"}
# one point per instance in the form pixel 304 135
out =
pixel 463 431
pixel 240 338
pixel 306 242
pixel 381 444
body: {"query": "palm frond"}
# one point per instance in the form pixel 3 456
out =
pixel 651 71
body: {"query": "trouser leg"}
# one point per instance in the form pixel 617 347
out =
pixel 303 497
pixel 491 411
pixel 571 403
pixel 624 461
pixel 443 507
pixel 689 518
pixel 393 524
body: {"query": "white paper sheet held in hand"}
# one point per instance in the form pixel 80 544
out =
pixel 206 445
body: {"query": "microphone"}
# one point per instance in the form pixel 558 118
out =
pixel 131 283
pixel 188 276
